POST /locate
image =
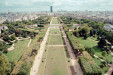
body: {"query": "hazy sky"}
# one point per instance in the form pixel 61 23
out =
pixel 43 5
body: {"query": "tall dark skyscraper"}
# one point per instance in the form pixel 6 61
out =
pixel 51 8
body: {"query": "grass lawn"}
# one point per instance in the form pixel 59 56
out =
pixel 55 31
pixel 93 38
pixel 55 40
pixel 20 47
pixel 98 62
pixel 54 21
pixel 55 61
pixel 87 43
pixel 93 44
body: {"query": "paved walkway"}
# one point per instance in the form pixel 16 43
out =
pixel 11 48
pixel 92 39
pixel 38 58
pixel 29 43
pixel 98 58
pixel 74 60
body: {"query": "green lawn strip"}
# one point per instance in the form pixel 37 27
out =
pixel 26 58
pixel 28 30
pixel 55 40
pixel 55 31
pixel 54 21
pixel 20 47
pixel 56 63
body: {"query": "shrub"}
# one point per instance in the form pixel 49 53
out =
pixel 5 51
pixel 104 53
pixel 12 38
pixel 90 51
pixel 6 38
pixel 24 69
pixel 3 47
pixel 22 72
pixel 24 35
pixel 40 25
pixel 10 43
pixel 12 65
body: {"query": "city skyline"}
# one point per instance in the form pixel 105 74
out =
pixel 67 5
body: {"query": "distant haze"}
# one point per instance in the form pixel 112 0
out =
pixel 58 5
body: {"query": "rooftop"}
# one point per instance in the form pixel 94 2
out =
pixel 111 26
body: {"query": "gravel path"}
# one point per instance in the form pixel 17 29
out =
pixel 29 42
pixel 11 48
pixel 74 60
pixel 38 58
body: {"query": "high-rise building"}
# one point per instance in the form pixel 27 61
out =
pixel 51 8
pixel 9 12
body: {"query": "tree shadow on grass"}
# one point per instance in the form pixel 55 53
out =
pixel 67 54
pixel 72 71
pixel 96 49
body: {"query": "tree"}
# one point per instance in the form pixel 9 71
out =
pixel 40 25
pixel 81 47
pixel 90 50
pixel 5 66
pixel 104 53
pixel 102 43
pixel 6 38
pixel 85 36
pixel 76 33
pixel 92 32
pixel 84 31
pixel 11 29
pixel 24 35
pixel 3 47
pixel 12 64
pixel 12 37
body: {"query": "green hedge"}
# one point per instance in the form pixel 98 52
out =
pixel 88 65
pixel 74 42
